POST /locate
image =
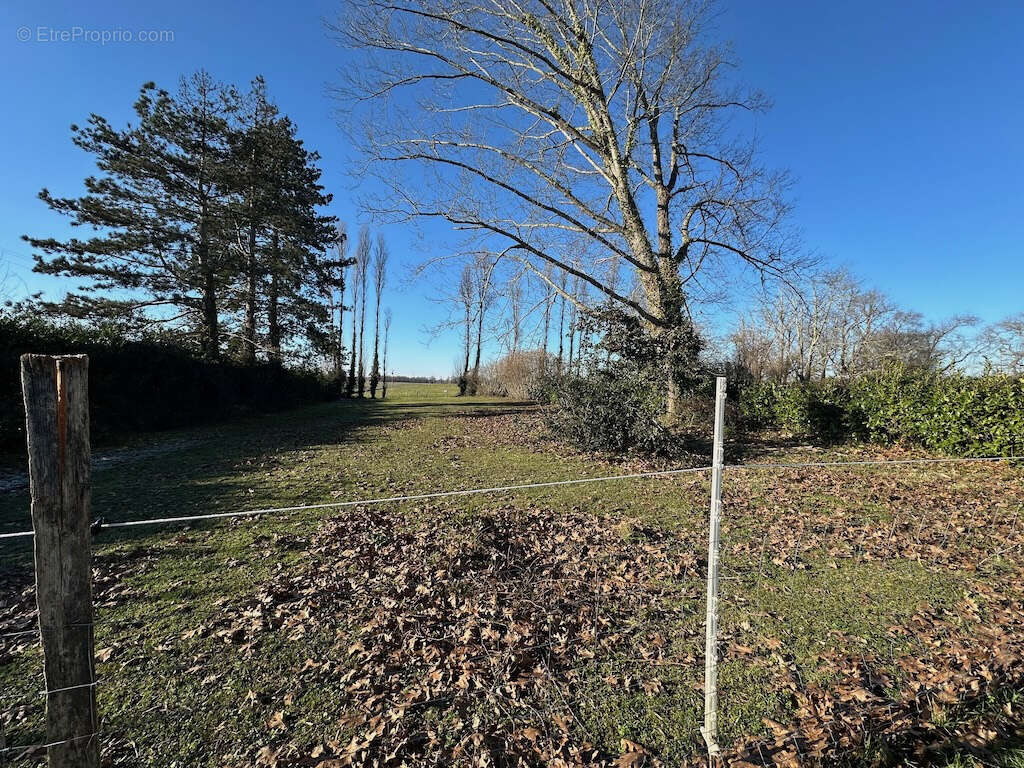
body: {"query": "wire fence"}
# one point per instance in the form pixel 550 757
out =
pixel 827 655
pixel 756 549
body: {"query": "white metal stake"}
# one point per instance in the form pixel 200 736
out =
pixel 710 729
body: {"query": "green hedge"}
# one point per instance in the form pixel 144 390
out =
pixel 143 384
pixel 963 415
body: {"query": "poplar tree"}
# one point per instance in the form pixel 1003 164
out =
pixel 380 267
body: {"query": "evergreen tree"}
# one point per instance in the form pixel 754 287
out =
pixel 301 239
pixel 160 252
pixel 251 144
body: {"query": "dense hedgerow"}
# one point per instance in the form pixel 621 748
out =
pixel 138 384
pixel 957 414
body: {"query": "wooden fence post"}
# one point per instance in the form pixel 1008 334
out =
pixel 710 729
pixel 57 428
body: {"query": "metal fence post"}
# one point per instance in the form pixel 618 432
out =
pixel 56 391
pixel 710 729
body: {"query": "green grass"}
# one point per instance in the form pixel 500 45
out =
pixel 173 579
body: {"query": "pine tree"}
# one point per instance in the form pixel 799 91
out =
pixel 161 255
pixel 300 239
pixel 251 143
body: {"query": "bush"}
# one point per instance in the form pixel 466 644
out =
pixel 953 414
pixel 516 375
pixel 617 403
pixel 758 403
pixel 972 415
pixel 602 412
pixel 148 383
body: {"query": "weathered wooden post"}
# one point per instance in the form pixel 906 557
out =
pixel 56 391
pixel 710 729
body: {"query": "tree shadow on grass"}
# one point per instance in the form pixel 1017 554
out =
pixel 268 460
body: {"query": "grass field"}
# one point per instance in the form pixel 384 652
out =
pixel 870 614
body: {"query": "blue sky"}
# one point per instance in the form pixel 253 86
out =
pixel 900 122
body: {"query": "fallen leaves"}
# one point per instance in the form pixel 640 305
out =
pixel 487 623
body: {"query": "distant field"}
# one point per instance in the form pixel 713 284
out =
pixel 876 605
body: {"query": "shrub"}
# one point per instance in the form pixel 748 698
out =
pixel 516 375
pixel 757 404
pixel 954 414
pixel 616 403
pixel 818 408
pixel 147 383
pixel 605 413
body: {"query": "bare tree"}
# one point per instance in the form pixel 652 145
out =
pixel 380 268
pixel 387 338
pixel 549 297
pixel 830 325
pixel 600 129
pixel 356 381
pixel 516 309
pixel 467 300
pixel 562 283
pixel 944 345
pixel 1004 345
pixel 334 288
pixel 483 277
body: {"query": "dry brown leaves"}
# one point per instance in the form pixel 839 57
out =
pixel 464 642
pixel 951 522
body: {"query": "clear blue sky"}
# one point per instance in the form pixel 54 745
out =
pixel 901 123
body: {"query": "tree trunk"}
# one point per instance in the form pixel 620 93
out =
pixel 211 330
pixel 547 330
pixel 350 385
pixel 464 379
pixel 375 369
pixel 338 370
pixel 249 327
pixel 210 323
pixel 384 364
pixel 273 322
pixel 474 383
pixel 668 303
pixel 361 380
pixel 561 335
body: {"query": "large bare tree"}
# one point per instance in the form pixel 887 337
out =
pixel 569 133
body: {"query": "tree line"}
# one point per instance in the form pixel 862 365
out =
pixel 207 219
pixel 828 324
